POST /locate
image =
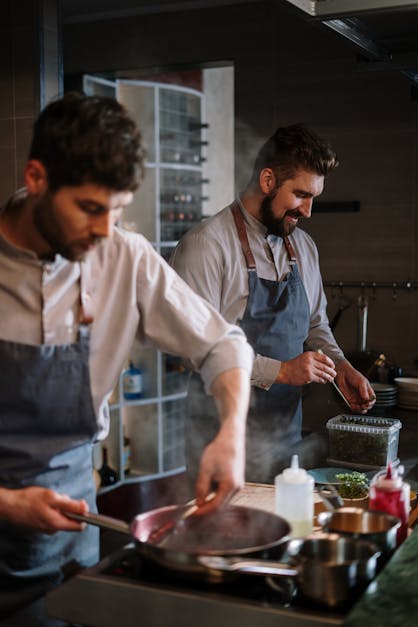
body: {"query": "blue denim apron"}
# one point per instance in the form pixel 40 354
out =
pixel 47 425
pixel 276 321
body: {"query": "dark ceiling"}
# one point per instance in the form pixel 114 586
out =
pixel 383 33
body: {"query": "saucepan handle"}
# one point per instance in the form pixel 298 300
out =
pixel 105 522
pixel 330 497
pixel 243 565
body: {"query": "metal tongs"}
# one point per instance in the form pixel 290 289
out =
pixel 336 386
pixel 159 534
pixel 330 497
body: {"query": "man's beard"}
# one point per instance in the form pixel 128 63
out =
pixel 51 231
pixel 276 226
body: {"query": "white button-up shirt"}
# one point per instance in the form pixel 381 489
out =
pixel 131 292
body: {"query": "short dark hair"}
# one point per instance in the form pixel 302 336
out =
pixel 88 139
pixel 292 148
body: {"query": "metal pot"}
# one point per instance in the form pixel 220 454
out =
pixel 327 569
pixel 228 531
pixel 376 527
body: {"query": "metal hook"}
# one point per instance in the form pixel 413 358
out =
pixel 374 290
pixel 394 292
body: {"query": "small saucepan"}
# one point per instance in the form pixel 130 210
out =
pixel 230 530
pixel 326 569
pixel 376 527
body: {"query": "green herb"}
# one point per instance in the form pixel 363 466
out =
pixel 353 485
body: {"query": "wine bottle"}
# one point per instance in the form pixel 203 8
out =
pixel 108 476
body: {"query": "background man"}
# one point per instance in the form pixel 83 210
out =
pixel 254 265
pixel 74 292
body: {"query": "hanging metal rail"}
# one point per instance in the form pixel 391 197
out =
pixel 406 285
pixel 372 285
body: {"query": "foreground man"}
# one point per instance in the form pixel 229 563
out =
pixel 74 292
pixel 254 265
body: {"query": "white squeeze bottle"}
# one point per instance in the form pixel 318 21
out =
pixel 294 498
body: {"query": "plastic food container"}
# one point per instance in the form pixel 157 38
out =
pixel 363 442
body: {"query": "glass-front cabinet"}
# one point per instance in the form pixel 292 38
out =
pixel 149 418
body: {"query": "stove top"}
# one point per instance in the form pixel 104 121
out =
pixel 126 590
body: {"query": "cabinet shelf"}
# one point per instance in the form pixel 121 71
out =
pixel 167 204
pixel 151 400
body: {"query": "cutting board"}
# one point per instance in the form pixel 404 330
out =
pixel 261 496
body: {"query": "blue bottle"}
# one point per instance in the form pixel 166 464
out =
pixel 132 383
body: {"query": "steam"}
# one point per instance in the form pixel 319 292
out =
pixel 247 143
pixel 267 456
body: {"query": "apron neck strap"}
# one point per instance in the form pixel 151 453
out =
pixel 83 318
pixel 245 244
pixel 290 251
pixel 243 237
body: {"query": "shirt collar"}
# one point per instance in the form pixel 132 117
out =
pixel 253 222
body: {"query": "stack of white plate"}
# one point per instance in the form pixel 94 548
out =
pixel 385 394
pixel 407 392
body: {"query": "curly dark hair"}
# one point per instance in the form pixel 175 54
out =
pixel 293 148
pixel 88 139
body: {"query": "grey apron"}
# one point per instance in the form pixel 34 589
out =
pixel 47 425
pixel 276 321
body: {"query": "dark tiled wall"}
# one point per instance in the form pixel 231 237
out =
pixel 29 74
pixel 288 71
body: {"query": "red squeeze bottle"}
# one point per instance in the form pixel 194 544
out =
pixel 389 494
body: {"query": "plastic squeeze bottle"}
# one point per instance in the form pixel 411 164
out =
pixel 294 498
pixel 389 494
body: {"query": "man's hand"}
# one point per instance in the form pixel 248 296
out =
pixel 221 469
pixel 222 465
pixel 355 387
pixel 41 509
pixel 309 367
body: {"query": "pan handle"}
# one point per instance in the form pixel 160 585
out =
pixel 330 497
pixel 105 522
pixel 256 567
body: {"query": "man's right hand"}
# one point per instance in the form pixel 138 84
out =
pixel 309 367
pixel 222 463
pixel 41 509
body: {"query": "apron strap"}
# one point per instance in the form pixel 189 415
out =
pixel 243 237
pixel 290 251
pixel 85 317
pixel 245 244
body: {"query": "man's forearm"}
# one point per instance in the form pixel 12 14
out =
pixel 231 393
pixel 5 503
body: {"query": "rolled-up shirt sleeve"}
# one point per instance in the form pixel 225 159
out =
pixel 265 371
pixel 178 321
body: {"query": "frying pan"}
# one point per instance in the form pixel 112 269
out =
pixel 231 530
